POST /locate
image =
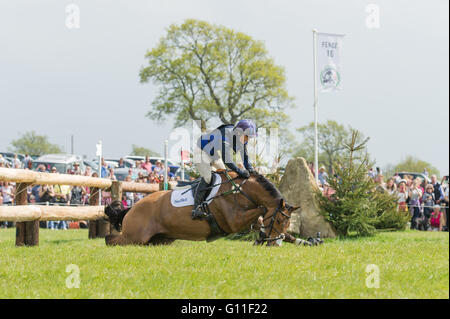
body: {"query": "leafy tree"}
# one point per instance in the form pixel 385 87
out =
pixel 332 137
pixel 358 205
pixel 415 165
pixel 208 72
pixel 142 151
pixel 33 144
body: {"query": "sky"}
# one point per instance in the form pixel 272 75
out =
pixel 61 81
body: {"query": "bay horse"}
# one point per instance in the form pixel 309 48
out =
pixel 239 204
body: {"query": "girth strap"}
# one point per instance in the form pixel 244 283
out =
pixel 216 231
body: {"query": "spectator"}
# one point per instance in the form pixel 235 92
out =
pixel 16 162
pixel 402 196
pixel 444 202
pixel 428 201
pixel 7 191
pixel 438 193
pixel 77 194
pixel 311 168
pixel 323 176
pixel 147 165
pixel 121 163
pixel 379 179
pixel 371 173
pixel 378 171
pixel 158 167
pixel 27 161
pixel 88 171
pixel 7 196
pixel 415 194
pixel 111 174
pixel 104 169
pixel 437 220
pixel 391 188
pixel 46 194
pixel 62 194
pixel 76 169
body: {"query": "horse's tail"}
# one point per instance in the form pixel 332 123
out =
pixel 116 213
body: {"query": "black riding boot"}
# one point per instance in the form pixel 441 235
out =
pixel 199 197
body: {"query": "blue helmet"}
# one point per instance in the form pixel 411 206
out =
pixel 248 126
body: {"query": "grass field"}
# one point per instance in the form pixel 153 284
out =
pixel 411 265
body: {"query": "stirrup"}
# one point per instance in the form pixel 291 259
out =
pixel 197 213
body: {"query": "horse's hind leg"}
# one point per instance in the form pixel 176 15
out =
pixel 112 240
pixel 160 239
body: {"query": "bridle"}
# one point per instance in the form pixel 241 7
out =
pixel 263 236
pixel 237 189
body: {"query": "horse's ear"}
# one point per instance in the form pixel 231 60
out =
pixel 283 203
pixel 292 208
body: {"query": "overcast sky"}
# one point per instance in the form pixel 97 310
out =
pixel 60 81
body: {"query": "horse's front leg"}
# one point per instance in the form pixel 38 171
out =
pixel 297 241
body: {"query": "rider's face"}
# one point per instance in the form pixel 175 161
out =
pixel 244 139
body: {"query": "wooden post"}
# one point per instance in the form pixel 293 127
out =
pixel 27 233
pixel 116 194
pixel 93 201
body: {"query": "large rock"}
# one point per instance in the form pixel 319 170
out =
pixel 298 187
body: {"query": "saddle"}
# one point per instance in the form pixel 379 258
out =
pixel 183 196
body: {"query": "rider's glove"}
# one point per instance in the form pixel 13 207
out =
pixel 244 174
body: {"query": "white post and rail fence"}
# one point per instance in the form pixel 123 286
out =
pixel 27 216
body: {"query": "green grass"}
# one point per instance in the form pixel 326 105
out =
pixel 412 265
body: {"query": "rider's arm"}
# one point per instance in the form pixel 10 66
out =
pixel 247 163
pixel 227 158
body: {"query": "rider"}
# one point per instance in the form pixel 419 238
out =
pixel 214 149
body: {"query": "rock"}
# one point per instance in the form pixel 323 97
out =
pixel 298 187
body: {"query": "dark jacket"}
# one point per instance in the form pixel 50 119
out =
pixel 223 138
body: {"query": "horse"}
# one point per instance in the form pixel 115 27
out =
pixel 240 204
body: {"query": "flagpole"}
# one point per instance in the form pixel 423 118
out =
pixel 316 146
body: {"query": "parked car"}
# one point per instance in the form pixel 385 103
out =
pixel 122 173
pixel 129 163
pixel 5 161
pixel 62 162
pixel 423 177
pixel 11 155
pixel 110 164
pixel 173 165
pixel 91 164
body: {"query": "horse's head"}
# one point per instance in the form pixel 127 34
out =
pixel 275 224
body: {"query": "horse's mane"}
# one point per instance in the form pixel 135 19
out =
pixel 268 186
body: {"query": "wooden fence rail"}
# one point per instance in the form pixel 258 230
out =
pixel 27 217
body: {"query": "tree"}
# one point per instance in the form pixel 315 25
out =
pixel 33 144
pixel 415 165
pixel 208 72
pixel 358 205
pixel 332 137
pixel 142 151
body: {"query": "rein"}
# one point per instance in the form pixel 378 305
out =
pixel 237 189
pixel 263 237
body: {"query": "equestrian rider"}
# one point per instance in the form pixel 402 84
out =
pixel 215 150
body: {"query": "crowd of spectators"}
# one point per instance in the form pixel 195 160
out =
pixel 427 202
pixel 79 195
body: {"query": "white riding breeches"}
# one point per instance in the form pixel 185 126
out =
pixel 205 164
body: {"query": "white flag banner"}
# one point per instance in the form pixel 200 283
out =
pixel 329 51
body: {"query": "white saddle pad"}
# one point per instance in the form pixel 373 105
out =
pixel 183 197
